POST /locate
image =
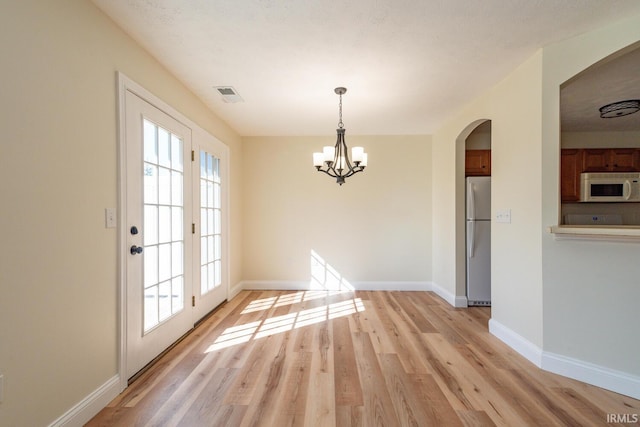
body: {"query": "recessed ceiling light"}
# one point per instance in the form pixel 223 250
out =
pixel 229 94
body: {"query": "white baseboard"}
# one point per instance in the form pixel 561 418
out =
pixel 453 300
pixel 274 285
pixel 599 376
pixel 294 285
pixel 524 347
pixel 88 407
pixel 392 286
pixel 610 379
pixel 234 290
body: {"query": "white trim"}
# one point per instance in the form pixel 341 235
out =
pixel 461 302
pixel 123 82
pixel 392 286
pixel 586 372
pixel 88 407
pixel 234 290
pixel 453 300
pixel 226 243
pixel 524 347
pixel 301 285
pixel 273 285
pixel 600 376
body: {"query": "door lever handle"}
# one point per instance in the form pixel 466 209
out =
pixel 136 249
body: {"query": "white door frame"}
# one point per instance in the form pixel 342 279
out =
pixel 126 84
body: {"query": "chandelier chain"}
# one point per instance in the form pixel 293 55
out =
pixel 340 124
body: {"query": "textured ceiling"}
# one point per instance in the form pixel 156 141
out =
pixel 408 64
pixel 612 80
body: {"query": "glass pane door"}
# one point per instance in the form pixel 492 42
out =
pixel 210 223
pixel 176 235
pixel 163 225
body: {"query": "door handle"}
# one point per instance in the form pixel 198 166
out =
pixel 472 236
pixel 472 192
pixel 136 249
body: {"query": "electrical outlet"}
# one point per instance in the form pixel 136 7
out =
pixel 110 218
pixel 503 216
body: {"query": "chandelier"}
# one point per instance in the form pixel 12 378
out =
pixel 334 161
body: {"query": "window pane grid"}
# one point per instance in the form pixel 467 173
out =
pixel 210 223
pixel 163 225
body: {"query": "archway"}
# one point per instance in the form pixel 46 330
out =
pixel 592 142
pixel 477 137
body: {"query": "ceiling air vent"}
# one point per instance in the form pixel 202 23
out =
pixel 229 94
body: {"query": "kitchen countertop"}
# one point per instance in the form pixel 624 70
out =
pixel 590 232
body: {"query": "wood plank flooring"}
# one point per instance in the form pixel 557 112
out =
pixel 317 358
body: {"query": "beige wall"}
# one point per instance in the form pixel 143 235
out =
pixel 574 301
pixel 590 287
pixel 513 106
pixel 58 172
pixel 516 156
pixel 374 228
pixel 600 139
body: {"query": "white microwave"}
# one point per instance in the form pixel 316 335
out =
pixel 610 187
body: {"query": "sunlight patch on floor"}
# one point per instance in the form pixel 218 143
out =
pixel 278 324
pixel 288 299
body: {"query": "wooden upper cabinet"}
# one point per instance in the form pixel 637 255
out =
pixel 574 161
pixel 570 169
pixel 595 160
pixel 477 163
pixel 625 160
pixel 611 160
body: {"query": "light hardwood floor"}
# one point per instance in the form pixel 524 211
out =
pixel 271 358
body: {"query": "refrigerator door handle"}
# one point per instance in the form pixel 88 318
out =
pixel 471 232
pixel 471 214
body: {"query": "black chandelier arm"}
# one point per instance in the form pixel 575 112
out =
pixel 329 171
pixel 354 171
pixel 334 174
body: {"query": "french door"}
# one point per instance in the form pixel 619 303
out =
pixel 174 230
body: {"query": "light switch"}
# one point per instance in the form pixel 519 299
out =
pixel 110 218
pixel 503 216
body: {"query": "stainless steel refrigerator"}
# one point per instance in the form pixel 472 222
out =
pixel 478 221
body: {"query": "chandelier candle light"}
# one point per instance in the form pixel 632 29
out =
pixel 334 161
